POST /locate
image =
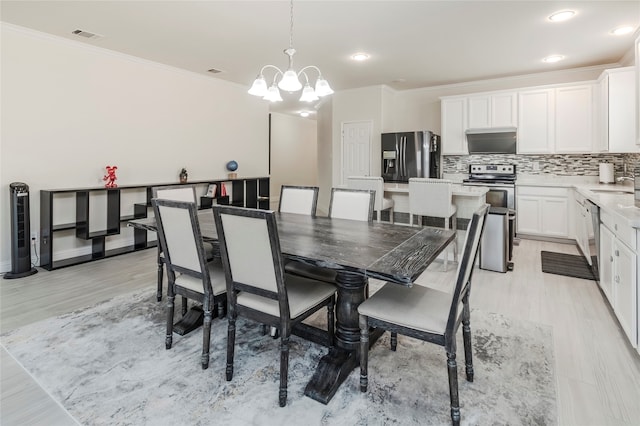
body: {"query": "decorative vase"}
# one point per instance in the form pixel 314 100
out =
pixel 183 176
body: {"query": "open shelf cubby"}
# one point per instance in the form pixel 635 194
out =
pixel 102 213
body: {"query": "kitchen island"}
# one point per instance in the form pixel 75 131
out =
pixel 466 198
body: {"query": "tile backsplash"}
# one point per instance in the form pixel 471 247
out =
pixel 561 165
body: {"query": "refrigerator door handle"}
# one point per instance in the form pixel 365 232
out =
pixel 404 157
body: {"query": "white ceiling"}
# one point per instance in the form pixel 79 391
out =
pixel 412 43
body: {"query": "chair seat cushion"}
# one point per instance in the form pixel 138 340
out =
pixel 303 294
pixel 216 273
pixel 310 271
pixel 387 203
pixel 417 307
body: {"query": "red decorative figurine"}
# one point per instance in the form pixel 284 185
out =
pixel 110 177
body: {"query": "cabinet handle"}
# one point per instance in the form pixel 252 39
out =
pixel 617 279
pixel 615 226
pixel 610 258
pixel 617 253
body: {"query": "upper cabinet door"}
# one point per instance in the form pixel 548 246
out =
pixel 504 110
pixel 454 123
pixel 493 110
pixel 574 122
pixel 621 114
pixel 536 121
pixel 479 111
pixel 638 95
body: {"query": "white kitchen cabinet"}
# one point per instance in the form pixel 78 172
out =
pixel 637 49
pixel 454 124
pixel 606 262
pixel 536 118
pixel 543 211
pixel 618 276
pixel 616 118
pixel 492 110
pixel 574 123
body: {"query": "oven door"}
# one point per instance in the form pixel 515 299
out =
pixel 498 195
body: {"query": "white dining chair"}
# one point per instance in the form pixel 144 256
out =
pixel 427 314
pixel 433 198
pixel 175 193
pixel 352 204
pixel 376 184
pixel 189 273
pixel 264 292
pixel 298 199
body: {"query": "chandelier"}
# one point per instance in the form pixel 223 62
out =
pixel 289 81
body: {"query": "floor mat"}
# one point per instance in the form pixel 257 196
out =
pixel 570 265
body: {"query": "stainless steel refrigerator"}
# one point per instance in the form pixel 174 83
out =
pixel 410 154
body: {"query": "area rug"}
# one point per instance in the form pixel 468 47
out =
pixel 107 365
pixel 570 265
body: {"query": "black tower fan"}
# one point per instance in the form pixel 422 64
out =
pixel 20 232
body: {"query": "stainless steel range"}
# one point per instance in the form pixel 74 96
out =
pixel 499 179
pixel 496 247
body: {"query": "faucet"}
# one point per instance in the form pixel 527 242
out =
pixel 623 178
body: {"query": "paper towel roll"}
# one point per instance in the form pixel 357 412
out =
pixel 606 173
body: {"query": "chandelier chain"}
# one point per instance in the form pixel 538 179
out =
pixel 291 27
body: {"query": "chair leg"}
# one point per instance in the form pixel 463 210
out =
pixel 394 341
pixel 446 251
pixel 284 369
pixel 452 368
pixel 455 241
pixel 379 215
pixel 168 341
pixel 160 277
pixel 231 341
pixel 221 309
pixel 331 322
pixel 184 306
pixel 391 215
pixel 364 353
pixel 206 337
pixel 468 355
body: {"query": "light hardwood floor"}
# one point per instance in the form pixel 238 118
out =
pixel 597 371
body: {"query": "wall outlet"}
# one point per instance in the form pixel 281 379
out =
pixel 535 165
pixel 34 235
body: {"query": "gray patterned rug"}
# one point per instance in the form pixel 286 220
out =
pixel 107 365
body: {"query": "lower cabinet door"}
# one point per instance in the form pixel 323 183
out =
pixel 624 281
pixel 606 263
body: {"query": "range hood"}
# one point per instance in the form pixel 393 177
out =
pixel 492 140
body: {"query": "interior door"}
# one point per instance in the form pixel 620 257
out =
pixel 356 149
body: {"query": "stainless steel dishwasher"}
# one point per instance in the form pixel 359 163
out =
pixel 593 211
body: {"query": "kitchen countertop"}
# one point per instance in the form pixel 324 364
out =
pixel 604 195
pixel 457 189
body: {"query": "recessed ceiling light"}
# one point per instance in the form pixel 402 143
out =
pixel 553 58
pixel 561 15
pixel 304 113
pixel 627 29
pixel 360 56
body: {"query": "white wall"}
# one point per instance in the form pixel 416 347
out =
pixel 294 153
pixel 69 109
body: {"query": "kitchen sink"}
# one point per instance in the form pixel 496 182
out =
pixel 612 192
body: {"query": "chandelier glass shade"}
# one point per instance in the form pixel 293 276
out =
pixel 289 80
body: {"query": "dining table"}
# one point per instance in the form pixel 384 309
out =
pixel 357 251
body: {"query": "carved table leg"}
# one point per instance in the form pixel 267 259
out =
pixel 334 367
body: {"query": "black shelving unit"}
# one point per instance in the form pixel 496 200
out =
pixel 245 192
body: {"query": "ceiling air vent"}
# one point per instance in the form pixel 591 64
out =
pixel 214 71
pixel 85 34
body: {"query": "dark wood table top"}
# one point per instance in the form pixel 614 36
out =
pixel 388 252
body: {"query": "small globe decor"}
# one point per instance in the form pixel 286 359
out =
pixel 232 166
